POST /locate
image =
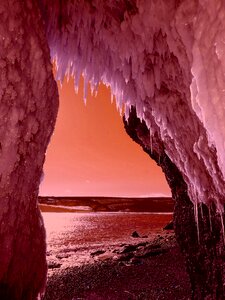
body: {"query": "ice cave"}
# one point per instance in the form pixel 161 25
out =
pixel 164 61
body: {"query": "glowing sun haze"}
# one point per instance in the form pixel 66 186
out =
pixel 90 153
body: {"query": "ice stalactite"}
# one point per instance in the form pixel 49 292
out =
pixel 28 107
pixel 197 219
pixel 157 57
pixel 203 249
pixel 207 87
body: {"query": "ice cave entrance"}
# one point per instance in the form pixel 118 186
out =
pixel 90 154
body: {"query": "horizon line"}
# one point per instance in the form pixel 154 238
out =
pixel 101 196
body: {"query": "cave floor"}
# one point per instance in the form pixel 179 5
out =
pixel 135 274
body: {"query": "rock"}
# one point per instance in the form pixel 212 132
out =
pixel 143 244
pixel 53 265
pixel 136 261
pixel 66 250
pixel 98 252
pixel 116 251
pixel 126 257
pixel 135 234
pixel 129 248
pixel 61 256
pixel 169 226
pixel 130 262
pixel 154 246
pixel 148 252
pixel 106 256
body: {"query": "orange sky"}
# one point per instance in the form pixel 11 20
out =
pixel 91 155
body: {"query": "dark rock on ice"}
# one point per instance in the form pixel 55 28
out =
pixel 169 226
pixel 53 265
pixel 150 252
pixel 136 261
pixel 126 256
pixel 98 252
pixel 143 244
pixel 63 255
pixel 129 248
pixel 135 234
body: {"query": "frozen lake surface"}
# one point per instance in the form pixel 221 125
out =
pixel 73 236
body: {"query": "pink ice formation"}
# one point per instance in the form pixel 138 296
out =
pixel 166 58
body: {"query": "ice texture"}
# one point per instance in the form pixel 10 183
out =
pixel 28 109
pixel 164 57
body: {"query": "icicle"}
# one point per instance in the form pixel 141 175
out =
pixel 112 98
pixel 201 210
pixel 196 219
pixel 150 137
pixel 120 109
pixel 127 112
pixel 222 225
pixel 76 89
pixel 85 100
pixel 210 218
pixel 85 90
pixel 60 84
pixel 76 82
pixel 93 89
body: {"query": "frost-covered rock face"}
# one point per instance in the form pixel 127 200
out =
pixel 28 106
pixel 203 250
pixel 166 59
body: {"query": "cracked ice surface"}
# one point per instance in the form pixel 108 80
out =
pixel 166 58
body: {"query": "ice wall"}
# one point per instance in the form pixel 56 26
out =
pixel 163 57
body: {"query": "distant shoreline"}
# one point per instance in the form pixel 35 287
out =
pixel 103 197
pixel 105 204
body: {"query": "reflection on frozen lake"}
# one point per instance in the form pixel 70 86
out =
pixel 89 229
pixel 72 237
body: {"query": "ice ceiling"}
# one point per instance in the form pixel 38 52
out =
pixel 164 57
